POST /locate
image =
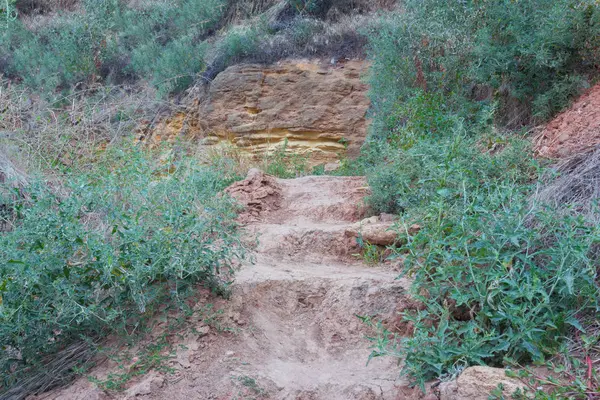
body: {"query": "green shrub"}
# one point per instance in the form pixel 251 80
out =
pixel 499 277
pixel 282 164
pixel 529 57
pixel 103 251
pixel 166 42
pixel 163 43
pixel 406 181
pixel 305 6
pixel 173 68
pixel 239 42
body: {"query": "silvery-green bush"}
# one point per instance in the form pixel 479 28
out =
pixel 99 253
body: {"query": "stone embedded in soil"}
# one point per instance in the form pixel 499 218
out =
pixel 379 230
pixel 257 193
pixel 476 383
pixel 334 166
pixel 203 331
pixel 148 385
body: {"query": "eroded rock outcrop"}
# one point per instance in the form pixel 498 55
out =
pixel 319 108
pixel 257 193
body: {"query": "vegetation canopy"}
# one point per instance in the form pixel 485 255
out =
pixel 504 277
pixel 107 247
pixel 102 231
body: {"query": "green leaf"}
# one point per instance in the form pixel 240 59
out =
pixel 443 192
pixel 533 350
pixel 574 322
pixel 569 281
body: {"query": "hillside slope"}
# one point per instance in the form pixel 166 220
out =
pixel 295 308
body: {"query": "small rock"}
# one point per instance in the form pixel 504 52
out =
pixel 261 193
pixel 388 217
pixel 414 229
pixel 564 152
pixel 210 141
pixel 203 331
pixel 476 383
pixel 373 230
pixel 149 384
pixel 191 342
pixel 183 358
pixel 371 220
pixel 334 166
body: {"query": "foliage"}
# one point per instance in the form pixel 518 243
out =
pixel 172 67
pixel 153 356
pixel 110 41
pixel 305 6
pixel 578 381
pixel 284 164
pixel 526 58
pixel 101 252
pixel 250 388
pixel 169 44
pixel 499 277
pixel 407 180
pixel 371 254
pixel 239 42
pixel 8 11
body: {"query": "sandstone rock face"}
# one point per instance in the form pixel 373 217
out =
pixel 476 383
pixel 319 108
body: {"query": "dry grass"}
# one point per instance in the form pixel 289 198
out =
pixel 44 6
pixel 228 157
pixel 238 10
pixel 577 185
pixel 13 176
pixel 37 135
pixel 309 37
pixel 73 127
pixel 61 366
pixel 333 10
pixel 302 37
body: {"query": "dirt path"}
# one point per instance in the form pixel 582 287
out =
pixel 297 333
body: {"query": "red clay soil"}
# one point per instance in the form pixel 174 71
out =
pixel 574 130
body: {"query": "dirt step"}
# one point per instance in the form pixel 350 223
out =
pixel 302 339
pixel 329 301
pixel 311 242
pixel 268 268
pixel 321 199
